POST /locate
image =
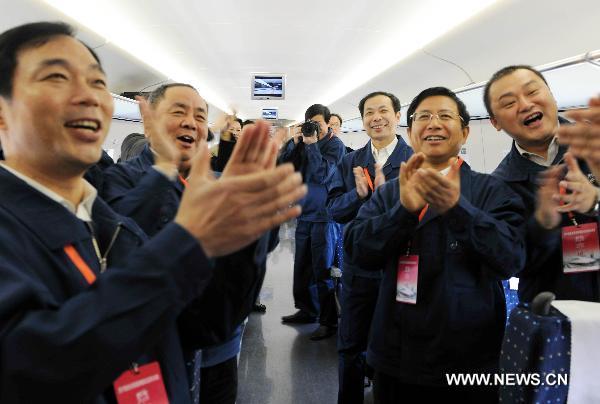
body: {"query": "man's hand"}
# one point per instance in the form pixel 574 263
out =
pixel 310 139
pixel 440 192
pixel 254 151
pixel 362 186
pixel 222 125
pixel 379 176
pixel 167 155
pixel 583 194
pixel 583 138
pixel 228 214
pixel 296 132
pixel 546 211
pixel 409 197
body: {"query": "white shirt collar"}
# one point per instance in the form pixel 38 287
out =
pixel 536 158
pixel 83 211
pixel 381 156
pixel 445 171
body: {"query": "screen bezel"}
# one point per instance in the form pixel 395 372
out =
pixel 267 75
pixel 262 113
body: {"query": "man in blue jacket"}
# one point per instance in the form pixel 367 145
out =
pixel 520 102
pixel 357 177
pixel 316 155
pixel 149 188
pixel 445 237
pixel 83 296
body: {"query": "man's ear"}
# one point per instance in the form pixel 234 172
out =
pixel 466 131
pixel 494 123
pixel 409 134
pixel 2 109
pixel 3 123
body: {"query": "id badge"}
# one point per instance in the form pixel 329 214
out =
pixel 143 386
pixel 580 248
pixel 408 276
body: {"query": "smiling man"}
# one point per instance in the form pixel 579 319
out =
pixel 88 305
pixel 521 104
pixel 445 236
pixel 148 188
pixel 357 177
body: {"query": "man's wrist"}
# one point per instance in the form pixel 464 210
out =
pixel 168 170
pixel 595 209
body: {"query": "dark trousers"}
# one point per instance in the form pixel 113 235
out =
pixel 219 383
pixel 389 390
pixel 358 300
pixel 313 287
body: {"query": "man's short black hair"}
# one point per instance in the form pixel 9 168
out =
pixel 338 117
pixel 505 71
pixel 317 109
pixel 395 101
pixel 247 122
pixel 438 91
pixel 23 37
pixel 159 93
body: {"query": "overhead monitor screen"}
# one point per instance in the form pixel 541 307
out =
pixel 269 113
pixel 268 86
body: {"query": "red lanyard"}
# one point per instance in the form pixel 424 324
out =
pixel 80 264
pixel 183 181
pixel 369 179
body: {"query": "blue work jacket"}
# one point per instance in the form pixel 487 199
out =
pixel 543 269
pixel 318 164
pixel 457 324
pixel 135 189
pixel 343 201
pixel 63 340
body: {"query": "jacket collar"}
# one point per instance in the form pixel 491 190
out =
pixel 401 153
pixel 516 168
pixel 146 161
pixel 51 222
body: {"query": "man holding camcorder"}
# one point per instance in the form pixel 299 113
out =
pixel 315 152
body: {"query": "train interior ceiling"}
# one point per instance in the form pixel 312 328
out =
pixel 331 52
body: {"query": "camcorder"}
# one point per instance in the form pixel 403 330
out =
pixel 310 128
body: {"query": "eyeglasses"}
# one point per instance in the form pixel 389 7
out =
pixel 443 116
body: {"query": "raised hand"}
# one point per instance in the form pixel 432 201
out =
pixel 362 186
pixel 254 151
pixel 583 138
pixel 379 176
pixel 583 195
pixel 232 212
pixel 409 197
pixel 546 211
pixel 167 154
pixel 440 192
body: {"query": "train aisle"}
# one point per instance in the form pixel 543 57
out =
pixel 279 363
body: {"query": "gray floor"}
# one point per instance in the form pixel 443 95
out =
pixel 278 363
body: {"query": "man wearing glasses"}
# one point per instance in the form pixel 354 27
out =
pixel 445 237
